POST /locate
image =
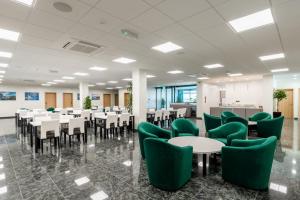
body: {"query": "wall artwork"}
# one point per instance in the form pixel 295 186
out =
pixel 78 96
pixel 95 97
pixel 8 96
pixel 32 96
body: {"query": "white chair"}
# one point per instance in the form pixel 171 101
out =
pixel 157 116
pixel 63 112
pixel 49 129
pixel 111 123
pixel 115 108
pixel 111 113
pixel 151 110
pixel 76 127
pixel 54 115
pixel 124 120
pixel 166 116
pixel 38 115
pixel 57 110
pixel 107 109
pixel 86 115
pixel 77 112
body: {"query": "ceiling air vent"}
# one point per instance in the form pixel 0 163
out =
pixel 83 47
pixel 29 81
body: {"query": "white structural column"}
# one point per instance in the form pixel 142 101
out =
pixel 84 92
pixel 200 100
pixel 139 95
pixel 207 97
pixel 267 91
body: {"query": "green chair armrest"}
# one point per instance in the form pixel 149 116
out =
pixel 162 133
pixel 238 135
pixel 247 143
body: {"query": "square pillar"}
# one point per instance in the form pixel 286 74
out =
pixel 84 92
pixel 267 91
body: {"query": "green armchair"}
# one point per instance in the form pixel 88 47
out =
pixel 260 116
pixel 227 132
pixel 169 166
pixel 226 114
pixel 248 163
pixel 146 130
pixel 237 119
pixel 270 127
pixel 211 121
pixel 184 127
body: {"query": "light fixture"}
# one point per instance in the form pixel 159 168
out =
pixel 277 187
pixel 127 163
pixel 2 72
pixel 235 74
pixel 82 181
pixel 1 158
pixel 252 21
pixel 203 78
pixel 294 161
pixel 212 66
pixel 81 74
pixel 294 171
pixel 127 79
pixel 3 189
pixel 91 85
pixel 280 70
pixel 52 83
pixel 175 72
pixel 109 88
pixel 45 84
pixel 1 166
pixel 150 76
pixel 67 172
pixel 272 57
pixel 124 60
pixel 3 65
pixel 119 87
pixel 96 68
pixel 113 82
pixel 68 77
pixel 100 83
pixel 2 176
pixel 25 2
pixel 167 47
pixel 99 196
pixel 1 76
pixel 59 81
pixel 91 145
pixel 9 35
pixel 5 54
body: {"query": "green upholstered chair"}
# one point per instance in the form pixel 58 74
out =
pixel 211 121
pixel 237 119
pixel 270 127
pixel 227 132
pixel 169 166
pixel 227 114
pixel 146 130
pixel 259 116
pixel 248 163
pixel 184 127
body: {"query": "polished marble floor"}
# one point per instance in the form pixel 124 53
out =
pixel 112 169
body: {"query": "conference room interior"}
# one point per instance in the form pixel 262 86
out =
pixel 149 99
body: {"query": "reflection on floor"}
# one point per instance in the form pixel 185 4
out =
pixel 112 169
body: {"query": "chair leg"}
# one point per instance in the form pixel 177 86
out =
pixel 42 146
pixel 70 140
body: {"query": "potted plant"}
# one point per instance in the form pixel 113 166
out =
pixel 278 95
pixel 163 103
pixel 129 106
pixel 87 104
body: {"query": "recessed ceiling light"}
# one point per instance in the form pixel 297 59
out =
pixel 3 65
pixel 2 176
pixel 91 85
pixel 124 60
pixel 272 57
pixel 150 76
pixel 251 21
pixel 113 82
pixel 59 81
pixel 127 79
pixel 235 74
pixel 294 161
pixel 52 83
pixel 9 35
pixel 67 172
pixel 46 84
pixel 212 66
pixel 280 70
pixel 294 171
pixel 203 78
pixel 68 77
pixel 100 83
pixel 127 163
pixel 119 87
pixel 96 68
pixel 175 72
pixel 2 72
pixel 99 196
pixel 1 166
pixel 81 74
pixel 82 181
pixel 109 88
pixel 167 47
pixel 3 189
pixel 5 54
pixel 25 2
pixel 1 76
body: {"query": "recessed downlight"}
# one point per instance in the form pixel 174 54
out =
pixel 124 60
pixel 203 78
pixel 150 76
pixel 175 72
pixel 167 47
pixel 234 74
pixel 127 79
pixel 62 7
pixel 96 68
pixel 81 74
pixel 280 70
pixel 212 66
pixel 3 65
pixel 5 54
pixel 68 77
pixel 9 35
pixel 272 57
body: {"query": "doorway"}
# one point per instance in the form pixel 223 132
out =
pixel 67 100
pixel 126 99
pixel 106 100
pixel 116 99
pixel 286 106
pixel 50 100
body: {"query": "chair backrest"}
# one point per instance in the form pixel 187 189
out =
pixel 54 115
pixel 63 111
pixel 50 125
pixel 227 114
pixel 111 119
pixel 107 109
pixel 40 115
pixel 77 112
pixel 151 110
pixel 166 114
pixel 66 116
pixel 158 115
pixel 57 109
pixel 181 112
pixel 23 113
pixel 211 121
pixel 42 118
pixel 99 114
pixel 115 108
pixel 260 116
pixel 270 127
pixel 76 123
pixel 111 113
pixel 124 119
pixel 86 115
pixel 94 112
pixel 38 110
pixel 237 119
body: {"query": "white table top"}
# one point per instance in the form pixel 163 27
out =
pixel 61 121
pixel 201 145
pixel 105 116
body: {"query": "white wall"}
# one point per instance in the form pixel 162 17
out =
pixel 151 96
pixel 121 97
pixel 8 108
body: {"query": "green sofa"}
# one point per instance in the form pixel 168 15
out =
pixel 211 121
pixel 227 132
pixel 248 163
pixel 169 167
pixel 184 127
pixel 270 127
pixel 260 116
pixel 226 114
pixel 146 130
pixel 237 119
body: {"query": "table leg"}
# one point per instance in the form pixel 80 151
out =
pixel 133 123
pixel 36 140
pixel 95 126
pixel 204 164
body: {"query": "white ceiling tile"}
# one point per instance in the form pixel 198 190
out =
pixel 173 31
pixel 41 32
pixel 154 2
pixel 216 2
pixel 90 2
pixel 178 9
pixel 123 9
pixel 14 10
pixel 11 24
pixel 152 20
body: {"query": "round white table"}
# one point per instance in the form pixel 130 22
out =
pixel 201 145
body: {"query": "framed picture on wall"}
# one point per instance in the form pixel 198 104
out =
pixel 95 97
pixel 78 96
pixel 8 96
pixel 32 96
